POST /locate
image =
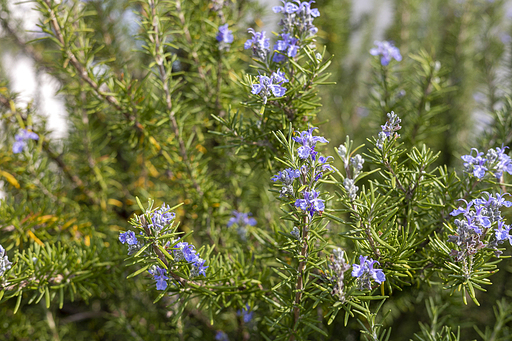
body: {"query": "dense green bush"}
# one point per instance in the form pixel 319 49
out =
pixel 193 198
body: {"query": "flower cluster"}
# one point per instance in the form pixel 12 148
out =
pixel 259 43
pixel 160 218
pixel 338 267
pixel 5 264
pixel 299 16
pixel 287 45
pixel 495 162
pixel 311 203
pixel 270 85
pixel 478 217
pixel 186 251
pixel 21 139
pixel 364 272
pixel 246 313
pixel 389 130
pixel 241 220
pixel 159 275
pixel 308 142
pixel 386 51
pixel 224 37
pixel 297 20
pixel 130 238
pixel 286 177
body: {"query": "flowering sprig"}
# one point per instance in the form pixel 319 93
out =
pixel 286 177
pixel 365 272
pixel 187 252
pixel 496 162
pixel 389 129
pixel 21 139
pixel 338 267
pixel 297 21
pixel 158 230
pixel 478 217
pixel 387 51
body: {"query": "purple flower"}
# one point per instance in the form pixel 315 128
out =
pixel 270 85
pixel 504 163
pixel 241 219
pixel 20 138
pixel 364 272
pixel 308 142
pixel 259 43
pixel 475 164
pixel 387 51
pixel 199 267
pixel 297 17
pixel 246 313
pixel 128 237
pixel 287 176
pixel 460 210
pixel 503 232
pixel 221 336
pixel 288 8
pixel 311 202
pixel 224 35
pixel 160 277
pixel 161 217
pixel 288 44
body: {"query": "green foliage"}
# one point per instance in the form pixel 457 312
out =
pixel 158 110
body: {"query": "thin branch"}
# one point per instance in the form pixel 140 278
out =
pixel 168 99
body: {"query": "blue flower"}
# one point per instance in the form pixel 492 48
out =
pixel 286 176
pixel 270 85
pixel 259 43
pixel 161 217
pixel 308 142
pixel 241 219
pixel 160 277
pixel 224 35
pixel 503 232
pixel 246 313
pixel 504 163
pixel 287 44
pixel 297 17
pixel 128 237
pixel 460 210
pixel 288 8
pixel 475 164
pixel 387 52
pixel 311 203
pixel 221 336
pixel 186 251
pixel 20 138
pixel 364 271
pixel 199 267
